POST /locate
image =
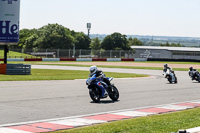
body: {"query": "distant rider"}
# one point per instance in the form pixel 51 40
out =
pixel 192 73
pixel 93 70
pixel 166 67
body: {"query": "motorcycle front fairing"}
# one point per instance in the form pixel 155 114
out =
pixel 100 84
pixel 94 81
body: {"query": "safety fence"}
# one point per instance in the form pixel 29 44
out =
pixel 74 59
pixel 68 53
pixel 99 55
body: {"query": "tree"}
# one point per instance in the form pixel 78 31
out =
pixel 23 35
pixel 135 42
pixel 82 41
pixel 30 42
pixel 115 41
pixel 54 36
pixel 51 36
pixel 95 45
pixel 171 45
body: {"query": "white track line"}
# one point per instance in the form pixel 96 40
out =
pixel 109 112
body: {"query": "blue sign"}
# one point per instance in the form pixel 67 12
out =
pixel 9 22
pixel 9 31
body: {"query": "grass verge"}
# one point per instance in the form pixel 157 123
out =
pixel 13 54
pixel 164 123
pixel 125 67
pixel 48 74
pixel 107 66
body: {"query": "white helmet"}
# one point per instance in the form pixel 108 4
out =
pixel 93 70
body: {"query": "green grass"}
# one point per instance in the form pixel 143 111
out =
pixel 125 67
pixel 106 66
pixel 165 123
pixel 45 74
pixel 13 54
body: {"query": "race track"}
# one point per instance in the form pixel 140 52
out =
pixel 22 101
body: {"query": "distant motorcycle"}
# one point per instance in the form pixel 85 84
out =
pixel 99 89
pixel 195 75
pixel 170 75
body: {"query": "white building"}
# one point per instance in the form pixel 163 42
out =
pixel 174 53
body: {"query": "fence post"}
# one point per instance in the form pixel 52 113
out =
pixel 80 53
pixel 69 52
pixel 46 53
pixel 74 51
pixel 58 53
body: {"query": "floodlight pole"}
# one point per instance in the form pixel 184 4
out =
pixel 88 32
pixel 88 27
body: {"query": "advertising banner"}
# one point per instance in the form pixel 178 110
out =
pixel 9 22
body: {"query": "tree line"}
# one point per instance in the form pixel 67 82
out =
pixel 171 45
pixel 55 36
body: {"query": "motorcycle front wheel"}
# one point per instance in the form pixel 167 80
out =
pixel 114 93
pixel 95 94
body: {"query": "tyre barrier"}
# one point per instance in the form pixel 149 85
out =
pixel 15 69
pixel 18 69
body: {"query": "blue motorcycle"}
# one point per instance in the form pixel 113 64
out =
pixel 99 89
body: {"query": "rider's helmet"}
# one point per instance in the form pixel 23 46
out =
pixel 93 70
pixel 191 68
pixel 165 65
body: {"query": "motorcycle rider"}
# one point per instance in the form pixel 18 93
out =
pixel 166 67
pixel 192 73
pixel 93 70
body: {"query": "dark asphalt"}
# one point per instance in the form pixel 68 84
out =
pixel 22 101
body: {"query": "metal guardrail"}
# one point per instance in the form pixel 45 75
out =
pixel 18 69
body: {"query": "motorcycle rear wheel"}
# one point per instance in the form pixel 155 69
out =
pixel 176 81
pixel 95 94
pixel 114 93
pixel 169 78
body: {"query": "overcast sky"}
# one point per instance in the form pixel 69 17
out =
pixel 130 17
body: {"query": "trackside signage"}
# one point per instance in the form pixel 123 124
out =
pixel 9 22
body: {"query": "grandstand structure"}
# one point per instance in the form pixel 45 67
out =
pixel 167 53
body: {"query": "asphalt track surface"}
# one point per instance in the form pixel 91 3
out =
pixel 23 101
